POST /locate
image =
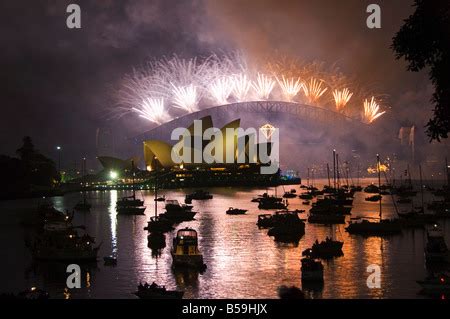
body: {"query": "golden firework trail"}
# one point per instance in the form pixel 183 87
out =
pixel 263 86
pixel 341 98
pixel 290 87
pixel 371 110
pixel 313 90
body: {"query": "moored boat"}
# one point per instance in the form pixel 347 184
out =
pixel 177 212
pixel 380 228
pixel 289 195
pixel 271 202
pixel 436 249
pixel 236 211
pixel 374 198
pixel 130 205
pixel 325 249
pixel 287 227
pixel 435 284
pixel 326 219
pixel 199 195
pixel 312 270
pixel 64 247
pixel 154 291
pixel 131 210
pixel 185 252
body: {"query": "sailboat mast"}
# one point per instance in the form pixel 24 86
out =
pixel 307 178
pixel 421 187
pixel 328 174
pixel 156 187
pixel 132 179
pixel 448 173
pixel 337 171
pixel 357 176
pixel 83 172
pixel 379 182
pixel 346 175
pixel 409 176
pixel 334 169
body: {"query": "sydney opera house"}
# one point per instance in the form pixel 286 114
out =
pixel 173 171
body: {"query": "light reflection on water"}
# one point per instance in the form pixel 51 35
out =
pixel 243 262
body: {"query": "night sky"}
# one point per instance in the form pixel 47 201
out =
pixel 58 84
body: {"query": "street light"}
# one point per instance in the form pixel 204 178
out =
pixel 113 175
pixel 59 148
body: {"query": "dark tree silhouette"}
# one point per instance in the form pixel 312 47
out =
pixel 424 42
pixel 36 168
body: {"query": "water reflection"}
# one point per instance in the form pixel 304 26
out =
pixel 113 220
pixel 243 261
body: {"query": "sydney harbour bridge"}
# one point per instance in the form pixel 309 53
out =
pixel 308 133
pixel 258 113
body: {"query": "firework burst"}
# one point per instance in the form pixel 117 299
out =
pixel 221 89
pixel 371 110
pixel 241 87
pixel 160 86
pixel 263 86
pixel 313 90
pixel 185 97
pixel 152 110
pixel 290 87
pixel 341 98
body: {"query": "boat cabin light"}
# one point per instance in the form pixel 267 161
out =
pixel 186 233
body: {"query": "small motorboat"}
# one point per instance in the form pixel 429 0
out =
pixel 130 201
pixel 435 284
pixel 271 202
pixel 436 250
pixel 159 224
pixel 154 291
pixel 199 195
pixel 156 240
pixel 371 189
pixel 130 210
pixel 325 249
pixel 33 294
pixel 236 211
pixel 160 199
pixel 306 196
pixel 312 270
pixel 326 219
pixel 110 260
pixel 374 198
pixel 384 227
pixel 285 292
pixel 289 195
pixel 185 252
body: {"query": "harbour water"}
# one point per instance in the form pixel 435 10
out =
pixel 242 261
